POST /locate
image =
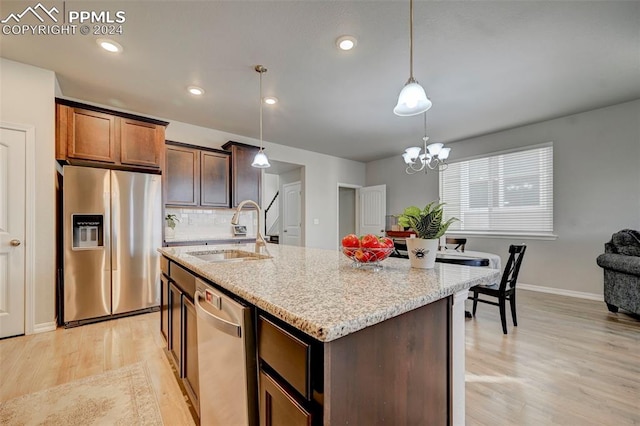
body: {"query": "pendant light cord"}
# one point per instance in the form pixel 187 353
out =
pixel 410 40
pixel 261 109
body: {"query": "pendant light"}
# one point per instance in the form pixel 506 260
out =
pixel 260 160
pixel 412 99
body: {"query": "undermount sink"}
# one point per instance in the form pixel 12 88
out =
pixel 227 255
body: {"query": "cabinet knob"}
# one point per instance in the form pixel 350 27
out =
pixel 15 242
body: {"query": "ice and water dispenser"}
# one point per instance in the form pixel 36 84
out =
pixel 88 231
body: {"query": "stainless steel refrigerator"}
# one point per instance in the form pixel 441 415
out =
pixel 112 227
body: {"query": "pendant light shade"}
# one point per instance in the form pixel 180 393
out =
pixel 412 99
pixel 260 160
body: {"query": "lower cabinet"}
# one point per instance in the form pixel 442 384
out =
pixel 164 307
pixel 175 326
pixel 278 406
pixel 290 383
pixel 179 327
pixel 190 360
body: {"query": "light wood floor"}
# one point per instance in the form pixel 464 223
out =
pixel 569 362
pixel 32 363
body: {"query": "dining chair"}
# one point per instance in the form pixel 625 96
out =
pixel 505 290
pixel 459 243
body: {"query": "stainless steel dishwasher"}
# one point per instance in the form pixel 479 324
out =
pixel 226 359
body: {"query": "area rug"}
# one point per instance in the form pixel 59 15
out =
pixel 117 397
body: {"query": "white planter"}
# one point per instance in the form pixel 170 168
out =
pixel 169 233
pixel 422 253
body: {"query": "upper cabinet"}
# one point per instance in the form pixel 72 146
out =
pixel 94 136
pixel 182 176
pixel 245 180
pixel 196 177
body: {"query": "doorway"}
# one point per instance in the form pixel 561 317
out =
pixel 282 196
pixel 361 210
pixel 346 211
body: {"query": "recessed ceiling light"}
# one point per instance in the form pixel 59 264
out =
pixel 109 45
pixel 195 90
pixel 270 100
pixel 346 42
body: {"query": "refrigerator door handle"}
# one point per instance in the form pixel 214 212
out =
pixel 115 226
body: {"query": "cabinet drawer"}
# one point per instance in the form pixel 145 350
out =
pixel 164 265
pixel 289 356
pixel 183 279
pixel 278 407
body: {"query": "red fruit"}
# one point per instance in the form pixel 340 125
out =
pixel 350 241
pixel 388 242
pixel 364 256
pixel 370 241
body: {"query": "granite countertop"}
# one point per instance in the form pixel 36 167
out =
pixel 200 238
pixel 318 291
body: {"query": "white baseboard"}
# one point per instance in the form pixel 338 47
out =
pixel 44 327
pixel 562 292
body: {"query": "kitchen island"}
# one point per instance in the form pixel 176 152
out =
pixel 384 346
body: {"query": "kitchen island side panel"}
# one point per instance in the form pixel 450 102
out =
pixel 396 372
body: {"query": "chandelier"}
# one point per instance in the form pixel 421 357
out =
pixel 433 157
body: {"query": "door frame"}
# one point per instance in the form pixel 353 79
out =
pixel 357 218
pixel 29 224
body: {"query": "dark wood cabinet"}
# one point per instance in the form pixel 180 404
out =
pixel 175 326
pixel 182 176
pixel 246 181
pixel 196 177
pixel 181 326
pixel 290 383
pixel 141 144
pixel 190 361
pixel 92 136
pixel 279 407
pixel 214 179
pixel 164 308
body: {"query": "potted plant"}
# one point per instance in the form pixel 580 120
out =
pixel 171 219
pixel 429 226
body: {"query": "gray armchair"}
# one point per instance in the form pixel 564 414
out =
pixel 621 264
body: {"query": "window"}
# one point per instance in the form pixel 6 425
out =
pixel 508 193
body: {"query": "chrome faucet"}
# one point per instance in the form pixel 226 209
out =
pixel 236 217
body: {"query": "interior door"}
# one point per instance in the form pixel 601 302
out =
pixel 372 208
pixel 12 230
pixel 291 215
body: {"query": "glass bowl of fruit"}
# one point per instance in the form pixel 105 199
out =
pixel 367 251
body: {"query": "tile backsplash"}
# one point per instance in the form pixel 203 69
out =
pixel 209 224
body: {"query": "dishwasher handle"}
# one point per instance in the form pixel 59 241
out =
pixel 212 320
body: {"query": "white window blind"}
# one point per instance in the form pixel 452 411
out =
pixel 503 193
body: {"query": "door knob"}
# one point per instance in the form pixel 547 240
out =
pixel 15 242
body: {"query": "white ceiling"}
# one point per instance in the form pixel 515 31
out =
pixel 486 65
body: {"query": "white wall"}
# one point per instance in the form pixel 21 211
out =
pixel 320 177
pixel 270 186
pixel 27 97
pixel 596 191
